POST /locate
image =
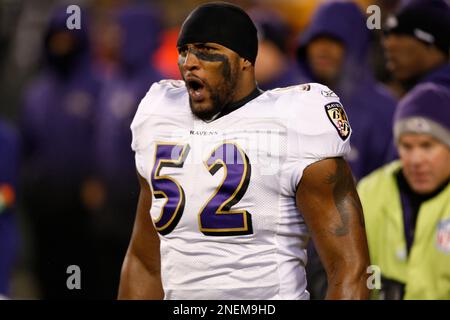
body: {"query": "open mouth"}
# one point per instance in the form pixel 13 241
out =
pixel 196 89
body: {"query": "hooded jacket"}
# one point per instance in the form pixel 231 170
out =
pixel 59 106
pixel 119 98
pixel 369 105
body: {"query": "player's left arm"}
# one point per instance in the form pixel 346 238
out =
pixel 328 200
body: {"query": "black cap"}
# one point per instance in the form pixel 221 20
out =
pixel 221 23
pixel 426 20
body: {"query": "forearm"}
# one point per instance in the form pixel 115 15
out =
pixel 348 283
pixel 330 205
pixel 139 282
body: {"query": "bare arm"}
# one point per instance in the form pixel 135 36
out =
pixel 141 269
pixel 330 205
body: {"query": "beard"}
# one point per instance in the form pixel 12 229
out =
pixel 220 95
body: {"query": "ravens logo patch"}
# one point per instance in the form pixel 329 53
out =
pixel 338 118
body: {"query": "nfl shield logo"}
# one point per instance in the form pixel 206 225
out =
pixel 443 236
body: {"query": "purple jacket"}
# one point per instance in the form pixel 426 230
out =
pixel 122 93
pixel 290 77
pixel 369 106
pixel 439 76
pixel 57 116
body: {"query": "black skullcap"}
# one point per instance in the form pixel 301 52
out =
pixel 222 23
pixel 426 20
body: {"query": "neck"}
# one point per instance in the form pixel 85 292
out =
pixel 246 85
pixel 232 106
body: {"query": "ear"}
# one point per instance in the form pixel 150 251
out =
pixel 245 64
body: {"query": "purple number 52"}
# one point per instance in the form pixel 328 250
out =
pixel 216 218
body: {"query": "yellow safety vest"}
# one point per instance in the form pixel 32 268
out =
pixel 426 271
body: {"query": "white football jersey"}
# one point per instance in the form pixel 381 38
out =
pixel 224 191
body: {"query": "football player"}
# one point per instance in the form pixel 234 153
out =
pixel 234 181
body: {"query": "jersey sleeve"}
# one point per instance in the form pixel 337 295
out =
pixel 142 126
pixel 139 137
pixel 319 128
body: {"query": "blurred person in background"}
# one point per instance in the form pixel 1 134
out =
pixel 22 24
pixel 113 191
pixel 376 52
pixel 9 236
pixel 274 65
pixel 417 43
pixel 57 131
pixel 334 51
pixel 407 203
pixel 417 46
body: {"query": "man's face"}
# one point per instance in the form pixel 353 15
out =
pixel 211 72
pixel 270 62
pixel 325 56
pixel 425 161
pixel 405 55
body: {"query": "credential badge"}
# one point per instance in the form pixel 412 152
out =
pixel 443 236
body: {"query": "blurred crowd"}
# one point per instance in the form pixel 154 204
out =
pixel 68 187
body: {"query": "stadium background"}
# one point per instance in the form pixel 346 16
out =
pixel 98 235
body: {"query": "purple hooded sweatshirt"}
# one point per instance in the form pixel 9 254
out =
pixel 369 106
pixel 439 77
pixel 58 110
pixel 57 130
pixel 119 99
